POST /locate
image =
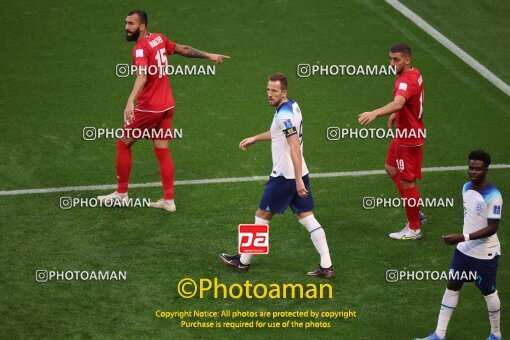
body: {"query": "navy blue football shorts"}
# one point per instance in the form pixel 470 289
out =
pixel 280 193
pixel 463 265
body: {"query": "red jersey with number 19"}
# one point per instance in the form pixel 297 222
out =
pixel 409 120
pixel 150 57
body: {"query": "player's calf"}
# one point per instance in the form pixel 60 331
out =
pixel 318 237
pixel 242 261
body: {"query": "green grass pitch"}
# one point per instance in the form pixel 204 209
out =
pixel 59 77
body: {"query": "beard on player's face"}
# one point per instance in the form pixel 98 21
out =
pixel 132 36
pixel 275 100
pixel 477 179
pixel 476 174
pixel 399 63
pixel 399 67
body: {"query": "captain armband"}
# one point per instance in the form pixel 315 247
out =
pixel 290 131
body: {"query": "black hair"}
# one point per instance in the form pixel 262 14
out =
pixel 480 155
pixel 402 48
pixel 142 15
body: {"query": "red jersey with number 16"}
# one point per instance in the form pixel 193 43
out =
pixel 150 55
pixel 409 120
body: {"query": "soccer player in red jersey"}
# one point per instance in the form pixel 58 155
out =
pixel 403 162
pixel 154 108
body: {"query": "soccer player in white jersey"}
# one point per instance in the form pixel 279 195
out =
pixel 478 248
pixel 288 183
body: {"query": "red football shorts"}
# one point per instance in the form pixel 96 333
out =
pixel 150 125
pixel 407 159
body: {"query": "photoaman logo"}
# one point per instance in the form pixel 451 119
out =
pixel 253 239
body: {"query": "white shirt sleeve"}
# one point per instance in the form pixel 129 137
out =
pixel 286 124
pixel 494 208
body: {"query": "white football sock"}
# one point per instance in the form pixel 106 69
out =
pixel 246 258
pixel 448 305
pixel 494 308
pixel 318 237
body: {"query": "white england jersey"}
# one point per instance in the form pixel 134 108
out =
pixel 287 122
pixel 478 207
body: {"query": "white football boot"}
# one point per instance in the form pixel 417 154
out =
pixel 114 199
pixel 407 234
pixel 167 205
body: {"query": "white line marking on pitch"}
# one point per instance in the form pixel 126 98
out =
pixel 500 84
pixel 228 180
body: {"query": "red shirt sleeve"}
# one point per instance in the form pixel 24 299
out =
pixel 140 56
pixel 170 46
pixel 403 88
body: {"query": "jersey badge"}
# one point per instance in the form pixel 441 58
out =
pixel 402 86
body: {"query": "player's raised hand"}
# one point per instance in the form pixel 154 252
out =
pixel 391 120
pixel 129 116
pixel 366 117
pixel 217 58
pixel 453 239
pixel 245 143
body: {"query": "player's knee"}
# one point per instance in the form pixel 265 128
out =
pixel 407 184
pixel 266 215
pixel 304 214
pixel 454 285
pixel 487 292
pixel 127 141
pixel 160 144
pixel 390 170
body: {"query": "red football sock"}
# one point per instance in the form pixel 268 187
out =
pixel 396 180
pixel 412 196
pixel 166 168
pixel 124 163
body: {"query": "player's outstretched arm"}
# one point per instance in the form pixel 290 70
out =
pixel 245 143
pixel 491 229
pixel 396 105
pixel 190 52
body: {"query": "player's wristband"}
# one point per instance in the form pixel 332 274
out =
pixel 466 237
